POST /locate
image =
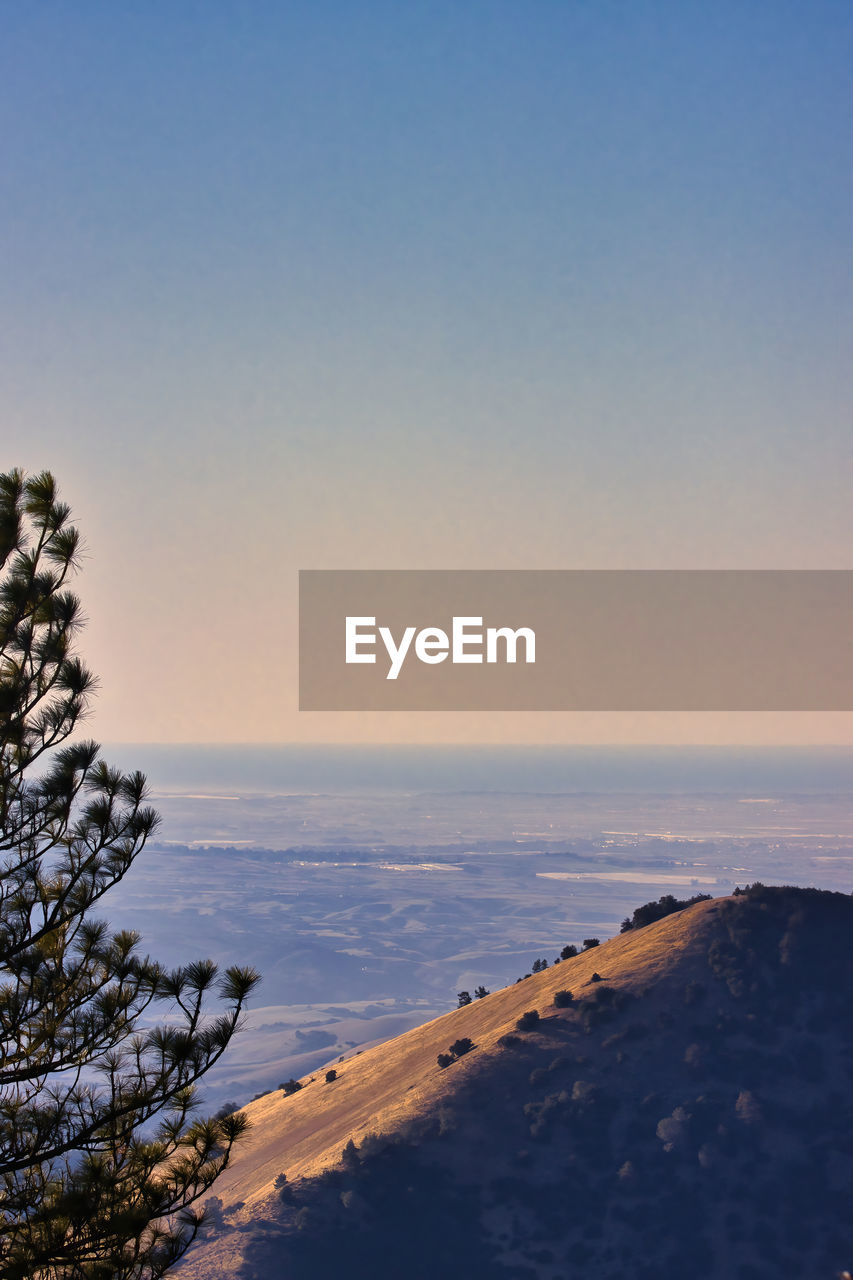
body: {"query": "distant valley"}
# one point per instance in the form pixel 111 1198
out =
pixel 366 913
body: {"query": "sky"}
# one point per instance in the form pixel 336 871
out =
pixel 493 285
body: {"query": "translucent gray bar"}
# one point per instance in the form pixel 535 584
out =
pixel 606 640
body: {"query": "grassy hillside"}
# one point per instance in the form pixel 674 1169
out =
pixel 687 1113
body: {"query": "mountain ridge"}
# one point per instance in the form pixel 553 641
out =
pixel 632 1001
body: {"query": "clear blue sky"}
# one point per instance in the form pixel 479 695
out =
pixel 447 285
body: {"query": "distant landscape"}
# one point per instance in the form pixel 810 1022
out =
pixel 368 907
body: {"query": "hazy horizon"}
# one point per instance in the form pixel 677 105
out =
pixel 498 768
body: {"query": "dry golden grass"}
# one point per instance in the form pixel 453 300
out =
pixel 627 1105
pixel 380 1089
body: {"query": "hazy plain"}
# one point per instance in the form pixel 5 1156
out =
pixel 367 911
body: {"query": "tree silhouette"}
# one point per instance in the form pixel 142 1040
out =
pixel 101 1156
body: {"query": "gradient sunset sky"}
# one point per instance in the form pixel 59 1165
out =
pixel 446 285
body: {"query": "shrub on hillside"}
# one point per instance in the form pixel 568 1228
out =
pixel 528 1021
pixel 562 999
pixel 543 1114
pixel 510 1041
pixel 214 1218
pixel 666 905
pixel 455 1051
pixel 672 1130
pixel 349 1156
pixel 602 1003
pixel 747 1108
pixel 331 1075
pixel 290 1086
pixel 373 1143
pixel 284 1189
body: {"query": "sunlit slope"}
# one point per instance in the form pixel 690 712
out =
pixel 381 1088
pixel 690 1112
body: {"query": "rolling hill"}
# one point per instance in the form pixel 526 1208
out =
pixel 688 1112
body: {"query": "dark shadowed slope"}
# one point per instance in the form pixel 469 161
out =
pixel 688 1114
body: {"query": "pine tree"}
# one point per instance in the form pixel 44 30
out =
pixel 101 1154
